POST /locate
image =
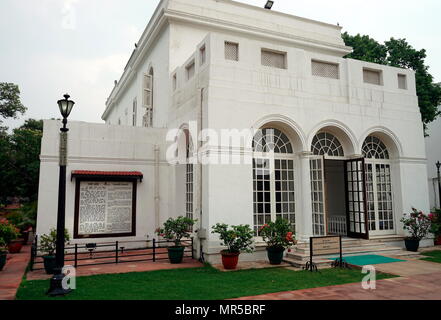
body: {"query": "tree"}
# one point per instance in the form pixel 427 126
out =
pixel 399 53
pixel 10 104
pixel 19 160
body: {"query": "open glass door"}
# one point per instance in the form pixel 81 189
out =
pixel 318 196
pixel 357 217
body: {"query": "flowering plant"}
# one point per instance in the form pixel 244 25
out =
pixel 2 246
pixel 278 234
pixel 435 218
pixel 8 232
pixel 236 238
pixel 176 229
pixel 417 224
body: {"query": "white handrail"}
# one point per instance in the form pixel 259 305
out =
pixel 337 225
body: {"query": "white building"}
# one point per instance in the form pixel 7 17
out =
pixel 342 149
pixel 433 148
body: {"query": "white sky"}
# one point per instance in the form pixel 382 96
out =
pixel 50 47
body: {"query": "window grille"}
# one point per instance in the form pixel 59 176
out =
pixel 231 51
pixel 372 76
pixel 374 148
pixel 402 81
pixel 274 59
pixel 190 70
pixel 325 69
pixel 326 143
pixel 267 140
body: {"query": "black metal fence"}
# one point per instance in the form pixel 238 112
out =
pixel 94 254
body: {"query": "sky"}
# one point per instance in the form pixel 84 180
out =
pixel 53 47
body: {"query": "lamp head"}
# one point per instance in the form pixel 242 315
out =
pixel 438 165
pixel 66 106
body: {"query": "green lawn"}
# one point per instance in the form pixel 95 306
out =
pixel 193 284
pixel 432 256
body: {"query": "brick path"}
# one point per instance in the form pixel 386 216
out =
pixel 12 274
pixel 421 280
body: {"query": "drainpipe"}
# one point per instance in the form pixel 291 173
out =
pixel 157 198
pixel 201 233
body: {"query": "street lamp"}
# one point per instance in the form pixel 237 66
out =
pixel 56 286
pixel 438 166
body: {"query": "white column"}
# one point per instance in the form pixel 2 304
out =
pixel 304 226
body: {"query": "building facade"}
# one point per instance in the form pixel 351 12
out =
pixel 334 145
pixel 433 148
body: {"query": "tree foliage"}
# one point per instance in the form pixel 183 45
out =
pixel 10 104
pixel 20 160
pixel 399 53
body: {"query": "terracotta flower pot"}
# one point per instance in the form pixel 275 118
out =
pixel 15 246
pixel 230 260
pixel 438 241
pixel 275 255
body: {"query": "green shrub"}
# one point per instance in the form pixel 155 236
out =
pixel 237 238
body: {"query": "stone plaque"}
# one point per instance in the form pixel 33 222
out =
pixel 105 209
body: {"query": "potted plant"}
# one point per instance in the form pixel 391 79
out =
pixel 174 230
pixel 236 239
pixel 9 233
pixel 279 236
pixel 436 226
pixel 48 245
pixel 418 225
pixel 3 254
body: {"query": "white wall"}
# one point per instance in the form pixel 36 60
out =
pixel 103 148
pixel 433 147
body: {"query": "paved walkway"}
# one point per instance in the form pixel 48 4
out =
pixel 420 280
pixel 12 274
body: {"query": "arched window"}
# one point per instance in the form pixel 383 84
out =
pixel 378 187
pixel 268 140
pixel 325 143
pixel 273 178
pixel 374 148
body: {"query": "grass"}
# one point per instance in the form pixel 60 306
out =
pixel 204 283
pixel 432 256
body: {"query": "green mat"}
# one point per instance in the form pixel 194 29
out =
pixel 368 260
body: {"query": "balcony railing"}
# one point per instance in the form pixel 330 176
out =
pixel 337 225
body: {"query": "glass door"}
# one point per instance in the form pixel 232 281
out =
pixel 318 196
pixel 356 199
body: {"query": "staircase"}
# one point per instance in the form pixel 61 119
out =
pixel 351 247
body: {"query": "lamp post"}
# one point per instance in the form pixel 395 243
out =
pixel 56 286
pixel 438 166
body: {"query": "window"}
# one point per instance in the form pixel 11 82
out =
pixel 274 59
pixel 372 76
pixel 190 70
pixel 231 51
pixel 402 81
pixel 147 120
pixel 202 55
pixel 326 143
pixel 189 207
pixel 325 69
pixel 374 148
pixel 273 179
pixel 135 112
pixel 378 186
pixel 317 196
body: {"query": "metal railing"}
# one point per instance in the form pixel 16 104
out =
pixel 337 225
pixel 94 254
